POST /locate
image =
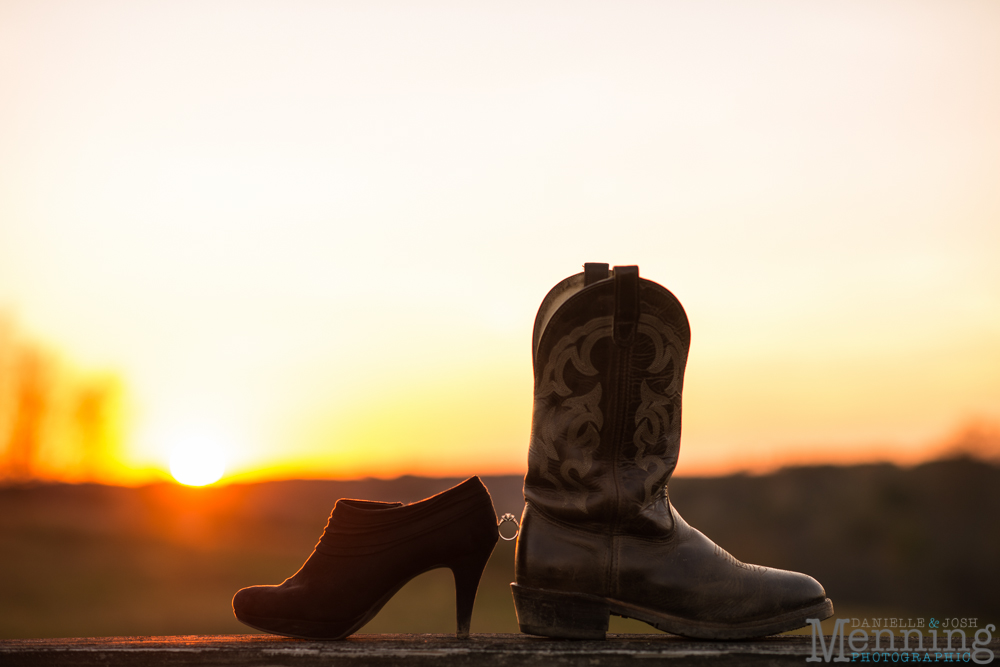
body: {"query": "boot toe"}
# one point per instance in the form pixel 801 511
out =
pixel 791 591
pixel 803 590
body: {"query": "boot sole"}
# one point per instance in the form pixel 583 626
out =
pixel 582 616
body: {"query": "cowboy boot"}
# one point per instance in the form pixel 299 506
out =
pixel 599 535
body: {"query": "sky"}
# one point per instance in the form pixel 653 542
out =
pixel 313 235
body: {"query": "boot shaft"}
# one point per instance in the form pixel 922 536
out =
pixel 609 351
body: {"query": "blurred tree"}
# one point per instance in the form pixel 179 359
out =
pixel 979 439
pixel 32 393
pixel 95 415
pixel 53 423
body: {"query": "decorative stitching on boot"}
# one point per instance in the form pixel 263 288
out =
pixel 577 419
pixel 654 423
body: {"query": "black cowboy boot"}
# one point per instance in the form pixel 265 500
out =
pixel 599 535
pixel 368 551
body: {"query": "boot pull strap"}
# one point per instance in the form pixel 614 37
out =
pixel 626 304
pixel 594 271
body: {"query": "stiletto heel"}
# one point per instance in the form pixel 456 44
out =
pixel 369 551
pixel 467 575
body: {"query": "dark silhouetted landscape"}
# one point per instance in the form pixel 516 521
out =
pixel 91 560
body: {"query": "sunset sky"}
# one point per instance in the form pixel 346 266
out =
pixel 314 235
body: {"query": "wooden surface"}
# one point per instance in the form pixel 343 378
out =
pixel 482 650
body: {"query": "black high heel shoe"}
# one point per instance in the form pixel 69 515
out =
pixel 369 551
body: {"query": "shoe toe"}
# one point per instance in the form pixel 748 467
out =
pixel 248 601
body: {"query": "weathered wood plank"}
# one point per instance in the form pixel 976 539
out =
pixel 484 650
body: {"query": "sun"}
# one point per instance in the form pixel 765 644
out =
pixel 196 462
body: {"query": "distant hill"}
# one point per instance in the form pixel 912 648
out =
pixel 80 560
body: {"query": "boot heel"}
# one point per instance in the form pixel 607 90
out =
pixel 558 614
pixel 467 575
